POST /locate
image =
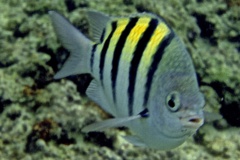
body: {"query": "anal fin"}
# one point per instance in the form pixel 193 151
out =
pixel 135 141
pixel 96 93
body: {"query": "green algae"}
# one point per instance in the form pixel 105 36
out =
pixel 29 96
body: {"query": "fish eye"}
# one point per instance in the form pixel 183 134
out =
pixel 173 101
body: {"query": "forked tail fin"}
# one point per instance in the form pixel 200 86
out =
pixel 75 42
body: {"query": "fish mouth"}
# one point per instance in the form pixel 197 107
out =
pixel 192 121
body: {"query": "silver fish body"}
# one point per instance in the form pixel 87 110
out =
pixel 142 75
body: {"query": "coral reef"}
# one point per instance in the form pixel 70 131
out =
pixel 41 118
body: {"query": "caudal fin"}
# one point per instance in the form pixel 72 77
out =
pixel 75 42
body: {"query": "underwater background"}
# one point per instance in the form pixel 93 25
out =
pixel 41 118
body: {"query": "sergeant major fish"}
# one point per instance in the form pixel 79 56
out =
pixel 142 75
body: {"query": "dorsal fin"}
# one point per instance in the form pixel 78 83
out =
pixel 98 21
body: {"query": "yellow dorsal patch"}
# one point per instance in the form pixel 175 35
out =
pixel 121 25
pixel 134 37
pixel 161 31
pixel 138 30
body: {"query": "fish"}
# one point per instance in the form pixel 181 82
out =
pixel 142 75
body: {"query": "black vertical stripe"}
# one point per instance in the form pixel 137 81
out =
pixel 104 51
pixel 137 55
pixel 92 56
pixel 102 36
pixel 94 49
pixel 117 52
pixel 155 62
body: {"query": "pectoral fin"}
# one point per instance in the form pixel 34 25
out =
pixel 114 122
